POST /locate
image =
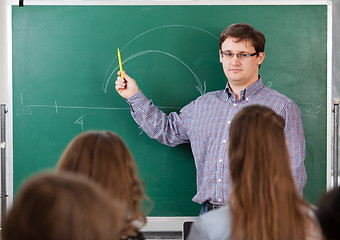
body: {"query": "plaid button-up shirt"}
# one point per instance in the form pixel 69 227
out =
pixel 205 122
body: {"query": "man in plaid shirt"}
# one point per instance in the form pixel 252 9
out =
pixel 204 123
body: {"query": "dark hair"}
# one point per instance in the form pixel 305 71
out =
pixel 264 200
pixel 103 157
pixel 63 206
pixel 244 31
pixel 328 214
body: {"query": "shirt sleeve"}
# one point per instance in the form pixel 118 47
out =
pixel 171 130
pixel 296 145
pixel 198 231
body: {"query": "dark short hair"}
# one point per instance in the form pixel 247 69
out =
pixel 244 31
pixel 328 214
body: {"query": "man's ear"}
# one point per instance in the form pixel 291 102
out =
pixel 260 58
pixel 220 54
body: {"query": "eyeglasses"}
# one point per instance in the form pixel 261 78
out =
pixel 240 56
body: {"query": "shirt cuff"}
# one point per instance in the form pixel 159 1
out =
pixel 137 100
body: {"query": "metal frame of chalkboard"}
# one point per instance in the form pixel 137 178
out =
pixel 153 221
pixel 4 196
pixel 21 3
pixel 336 102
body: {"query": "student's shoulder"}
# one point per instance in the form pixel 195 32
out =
pixel 218 222
pixel 219 218
pixel 219 213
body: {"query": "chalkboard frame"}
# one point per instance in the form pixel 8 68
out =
pixel 328 87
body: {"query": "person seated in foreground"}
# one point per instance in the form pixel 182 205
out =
pixel 264 202
pixel 328 213
pixel 103 157
pixel 63 206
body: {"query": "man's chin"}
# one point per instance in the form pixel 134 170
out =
pixel 234 79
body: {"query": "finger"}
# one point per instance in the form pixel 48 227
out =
pixel 126 77
pixel 120 83
pixel 119 88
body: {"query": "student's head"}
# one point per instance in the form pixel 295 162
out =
pixel 242 39
pixel 259 159
pixel 63 206
pixel 265 203
pixel 103 157
pixel 328 214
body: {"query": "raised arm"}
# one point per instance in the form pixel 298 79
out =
pixel 169 129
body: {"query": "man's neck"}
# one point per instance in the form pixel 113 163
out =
pixel 236 89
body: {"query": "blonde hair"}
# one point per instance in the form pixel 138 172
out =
pixel 104 157
pixel 264 201
pixel 63 206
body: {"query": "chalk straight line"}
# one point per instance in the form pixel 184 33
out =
pixel 95 108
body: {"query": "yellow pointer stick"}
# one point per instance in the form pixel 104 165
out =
pixel 120 64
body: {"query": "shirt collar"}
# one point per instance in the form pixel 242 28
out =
pixel 249 91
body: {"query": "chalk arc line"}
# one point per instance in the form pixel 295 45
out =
pixel 150 30
pixel 200 88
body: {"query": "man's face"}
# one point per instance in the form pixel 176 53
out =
pixel 240 71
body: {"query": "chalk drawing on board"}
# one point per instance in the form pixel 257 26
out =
pixel 200 88
pixel 312 109
pixel 141 131
pixel 153 29
pixel 26 110
pixel 93 108
pixel 167 26
pixel 77 107
pixel 56 107
pixel 80 122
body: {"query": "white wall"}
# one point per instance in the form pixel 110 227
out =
pixel 5 90
pixel 3 53
pixel 336 49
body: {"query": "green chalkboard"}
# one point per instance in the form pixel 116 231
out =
pixel 64 68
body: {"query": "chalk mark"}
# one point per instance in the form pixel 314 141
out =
pixel 312 109
pixel 200 88
pixel 94 108
pixel 141 131
pixel 25 109
pixel 80 121
pixel 105 83
pixel 56 107
pixel 153 29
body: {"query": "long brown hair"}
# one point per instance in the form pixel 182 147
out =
pixel 264 201
pixel 104 157
pixel 64 206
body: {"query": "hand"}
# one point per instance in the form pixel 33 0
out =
pixel 126 87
